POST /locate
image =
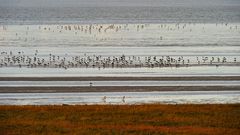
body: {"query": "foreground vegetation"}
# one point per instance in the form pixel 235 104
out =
pixel 120 119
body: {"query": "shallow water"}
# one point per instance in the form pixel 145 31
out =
pixel 68 28
pixel 173 97
pixel 116 72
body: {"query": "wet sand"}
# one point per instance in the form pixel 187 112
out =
pixel 177 78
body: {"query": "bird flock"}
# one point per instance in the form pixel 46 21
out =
pixel 36 60
pixel 104 32
pixel 98 32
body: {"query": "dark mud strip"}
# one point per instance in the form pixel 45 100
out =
pixel 186 78
pixel 115 89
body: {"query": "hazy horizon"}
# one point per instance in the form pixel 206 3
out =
pixel 106 3
pixel 118 11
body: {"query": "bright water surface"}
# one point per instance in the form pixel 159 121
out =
pixel 115 83
pixel 173 97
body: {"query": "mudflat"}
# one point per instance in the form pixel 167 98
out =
pixel 115 89
pixel 43 89
pixel 170 78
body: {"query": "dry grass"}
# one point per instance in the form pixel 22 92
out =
pixel 121 119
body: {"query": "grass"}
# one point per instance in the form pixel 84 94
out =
pixel 121 119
